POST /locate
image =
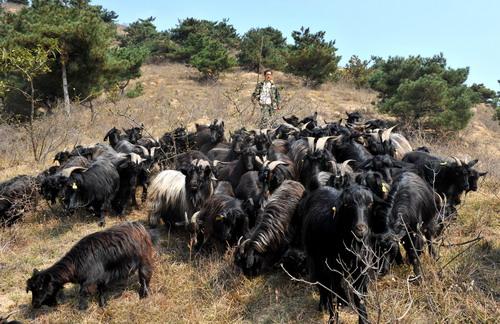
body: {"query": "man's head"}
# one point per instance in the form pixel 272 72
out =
pixel 268 74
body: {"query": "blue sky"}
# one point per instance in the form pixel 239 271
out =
pixel 466 32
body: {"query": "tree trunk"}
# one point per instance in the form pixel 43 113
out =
pixel 67 107
pixel 32 114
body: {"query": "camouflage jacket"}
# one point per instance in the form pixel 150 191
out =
pixel 275 95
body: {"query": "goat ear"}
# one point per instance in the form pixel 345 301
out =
pixel 184 171
pixel 472 163
pixel 35 272
pixel 207 172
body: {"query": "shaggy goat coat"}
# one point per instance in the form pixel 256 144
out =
pixel 96 261
pixel 274 231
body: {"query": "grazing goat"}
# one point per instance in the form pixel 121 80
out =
pixel 270 238
pixel 96 261
pixel 17 196
pixel 53 184
pixel 221 219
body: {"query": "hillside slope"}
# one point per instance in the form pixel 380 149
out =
pixel 462 286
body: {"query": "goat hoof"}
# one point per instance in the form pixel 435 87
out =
pixel 143 293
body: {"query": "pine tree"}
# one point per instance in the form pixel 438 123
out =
pixel 266 46
pixel 312 57
pixel 84 42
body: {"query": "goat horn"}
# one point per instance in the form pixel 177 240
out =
pixel 457 160
pixel 244 242
pixel 304 126
pixel 274 164
pixel 194 217
pixel 310 141
pixel 68 171
pixel 386 134
pixel 344 166
pixel 259 160
pixel 320 144
pixel 334 166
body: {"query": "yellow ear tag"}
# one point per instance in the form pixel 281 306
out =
pixel 334 210
pixel 219 218
pixel 385 188
pixel 74 186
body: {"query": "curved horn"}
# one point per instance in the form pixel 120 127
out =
pixel 343 167
pixel 320 144
pixel 457 160
pixel 387 133
pixel 194 217
pixel 274 164
pixel 68 171
pixel 259 160
pixel 304 126
pixel 239 240
pixel 334 166
pixel 244 242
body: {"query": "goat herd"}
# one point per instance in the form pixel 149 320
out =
pixel 332 202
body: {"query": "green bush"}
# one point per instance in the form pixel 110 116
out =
pixel 423 91
pixel 191 35
pixel 211 58
pixel 357 71
pixel 312 58
pixel 137 91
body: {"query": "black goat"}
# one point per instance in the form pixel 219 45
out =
pixel 221 219
pixel 96 261
pixel 231 153
pixel 232 171
pixel 336 237
pixel 53 184
pixel 224 188
pixel 311 159
pixel 216 131
pixel 270 238
pixel 448 177
pixel 17 196
pixel 94 187
pixel 413 212
pixel 346 148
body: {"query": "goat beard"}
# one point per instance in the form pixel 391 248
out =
pixel 198 197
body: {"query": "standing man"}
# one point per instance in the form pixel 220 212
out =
pixel 268 96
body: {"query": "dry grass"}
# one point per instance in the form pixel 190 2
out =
pixel 462 286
